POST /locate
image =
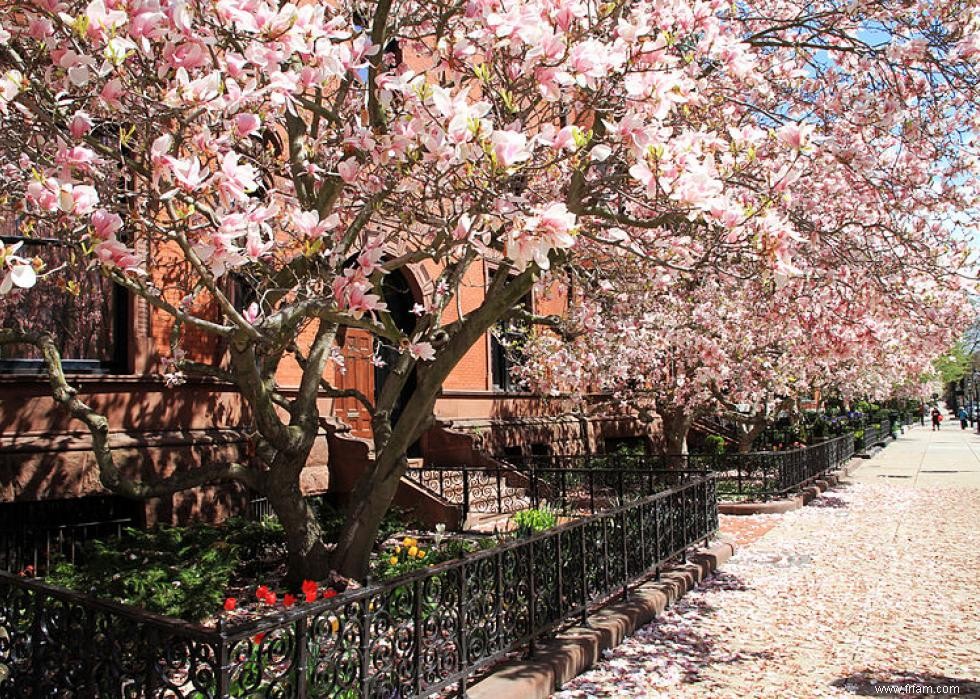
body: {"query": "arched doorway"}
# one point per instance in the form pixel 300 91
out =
pixel 400 294
pixel 400 298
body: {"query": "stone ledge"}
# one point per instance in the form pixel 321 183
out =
pixel 575 650
pixel 778 507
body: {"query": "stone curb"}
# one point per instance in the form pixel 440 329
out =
pixel 778 507
pixel 575 650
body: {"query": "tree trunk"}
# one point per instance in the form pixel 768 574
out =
pixel 307 555
pixel 369 503
pixel 747 435
pixel 675 427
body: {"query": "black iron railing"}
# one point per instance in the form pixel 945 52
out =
pixel 570 485
pixel 767 474
pixel 35 533
pixel 871 435
pixel 409 637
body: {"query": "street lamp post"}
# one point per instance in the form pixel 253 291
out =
pixel 976 397
pixel 972 393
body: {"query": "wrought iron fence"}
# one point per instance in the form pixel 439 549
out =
pixel 871 435
pixel 35 533
pixel 568 484
pixel 767 474
pixel 409 637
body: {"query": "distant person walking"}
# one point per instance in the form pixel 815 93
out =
pixel 937 418
pixel 964 417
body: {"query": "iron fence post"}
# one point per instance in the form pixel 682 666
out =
pixel 656 534
pixel 417 638
pixel 461 615
pixel 223 654
pixel 583 570
pixel 605 554
pixel 591 491
pixel 563 490
pixel 498 572
pixel 151 651
pixel 626 572
pixel 36 639
pixel 466 494
pixel 365 649
pixel 532 598
pixel 738 474
pixel 302 656
pixel 643 539
pixel 683 496
pixel 559 578
pixel 500 496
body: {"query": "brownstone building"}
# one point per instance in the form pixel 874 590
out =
pixel 113 346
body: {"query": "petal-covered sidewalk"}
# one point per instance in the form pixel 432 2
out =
pixel 874 583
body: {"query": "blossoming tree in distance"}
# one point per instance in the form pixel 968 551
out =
pixel 681 351
pixel 313 150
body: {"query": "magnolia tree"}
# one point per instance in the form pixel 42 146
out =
pixel 316 149
pixel 748 346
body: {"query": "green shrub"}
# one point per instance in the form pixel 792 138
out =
pixel 534 520
pixel 714 444
pixel 177 571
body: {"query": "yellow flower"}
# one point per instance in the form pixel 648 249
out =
pixel 398 549
pixel 393 560
pixel 421 554
pixel 334 624
pixel 406 542
pixel 412 551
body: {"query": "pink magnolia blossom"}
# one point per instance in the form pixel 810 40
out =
pixel 10 87
pixel 509 148
pixel 247 124
pixel 309 225
pixel 255 248
pixel 235 180
pixel 189 55
pixel 19 271
pixel 349 169
pixel 44 194
pixel 252 313
pixel 422 350
pixel 80 124
pixel 105 224
pixel 795 135
pixel 352 292
pixel 113 253
pixel 188 172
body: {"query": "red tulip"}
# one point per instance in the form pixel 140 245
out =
pixel 310 589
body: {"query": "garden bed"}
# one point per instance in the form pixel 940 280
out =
pixel 413 635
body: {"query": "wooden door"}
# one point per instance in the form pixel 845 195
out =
pixel 357 351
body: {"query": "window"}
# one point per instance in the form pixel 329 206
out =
pixel 540 450
pixel 87 313
pixel 506 342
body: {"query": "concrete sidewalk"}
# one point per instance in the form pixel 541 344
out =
pixel 923 458
pixel 871 589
